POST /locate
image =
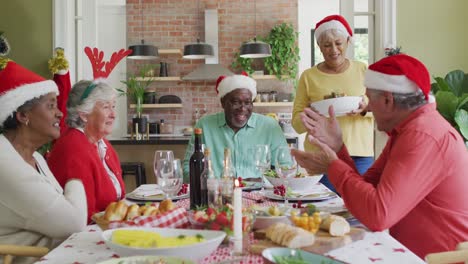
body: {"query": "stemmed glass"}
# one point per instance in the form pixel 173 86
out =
pixel 286 167
pixel 262 159
pixel 164 170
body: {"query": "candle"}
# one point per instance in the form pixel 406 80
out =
pixel 237 200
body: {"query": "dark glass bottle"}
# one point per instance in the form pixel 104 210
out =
pixel 197 162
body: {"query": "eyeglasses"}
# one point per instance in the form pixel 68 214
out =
pixel 238 104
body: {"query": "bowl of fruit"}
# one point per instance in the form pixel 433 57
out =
pixel 266 216
pixel 219 219
pixel 300 182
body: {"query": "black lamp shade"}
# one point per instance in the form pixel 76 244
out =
pixel 255 49
pixel 143 52
pixel 198 51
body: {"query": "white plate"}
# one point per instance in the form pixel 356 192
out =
pixel 148 259
pixel 154 198
pixel 341 105
pixel 194 252
pixel 319 196
pixel 251 186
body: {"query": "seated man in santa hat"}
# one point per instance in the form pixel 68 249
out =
pixel 237 128
pixel 417 186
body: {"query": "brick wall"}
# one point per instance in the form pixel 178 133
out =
pixel 173 24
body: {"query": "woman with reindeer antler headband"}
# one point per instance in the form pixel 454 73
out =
pixel 82 150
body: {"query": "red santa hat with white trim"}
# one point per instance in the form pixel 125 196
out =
pixel 227 84
pixel 19 85
pixel 336 22
pixel 399 74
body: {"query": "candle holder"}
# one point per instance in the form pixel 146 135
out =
pixel 240 246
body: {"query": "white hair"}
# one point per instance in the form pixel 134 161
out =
pixel 76 104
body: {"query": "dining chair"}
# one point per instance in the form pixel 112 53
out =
pixel 10 251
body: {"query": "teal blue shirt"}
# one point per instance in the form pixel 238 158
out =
pixel 217 135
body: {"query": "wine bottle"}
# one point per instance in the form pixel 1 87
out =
pixel 195 170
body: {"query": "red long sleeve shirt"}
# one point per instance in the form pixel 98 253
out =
pixel 418 187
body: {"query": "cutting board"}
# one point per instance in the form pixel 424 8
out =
pixel 324 242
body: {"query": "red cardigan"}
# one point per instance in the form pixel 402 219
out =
pixel 73 156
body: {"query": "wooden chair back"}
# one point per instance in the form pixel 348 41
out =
pixel 10 251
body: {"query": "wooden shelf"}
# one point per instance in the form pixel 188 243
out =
pixel 273 104
pixel 160 79
pixel 159 106
pixel 265 77
pixel 170 51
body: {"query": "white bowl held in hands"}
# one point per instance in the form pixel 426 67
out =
pixel 341 105
pixel 296 184
pixel 195 252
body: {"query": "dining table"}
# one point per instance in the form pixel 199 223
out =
pixel 88 246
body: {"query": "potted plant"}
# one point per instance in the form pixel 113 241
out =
pixel 284 58
pixel 136 87
pixel 451 94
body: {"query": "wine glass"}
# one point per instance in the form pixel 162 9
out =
pixel 262 160
pixel 286 167
pixel 164 170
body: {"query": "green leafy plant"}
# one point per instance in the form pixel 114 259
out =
pixel 284 58
pixel 451 94
pixel 136 87
pixel 242 64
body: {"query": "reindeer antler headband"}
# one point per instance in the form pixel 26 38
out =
pixel 96 58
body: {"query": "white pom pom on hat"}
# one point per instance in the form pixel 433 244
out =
pixel 227 84
pixel 333 22
pixel 19 85
pixel 400 74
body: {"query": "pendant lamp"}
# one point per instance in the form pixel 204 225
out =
pixel 255 49
pixel 198 50
pixel 143 51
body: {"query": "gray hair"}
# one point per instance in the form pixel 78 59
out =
pixel 410 100
pixel 406 100
pixel 75 105
pixel 332 34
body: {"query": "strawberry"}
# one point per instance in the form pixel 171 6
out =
pixel 210 211
pixel 221 219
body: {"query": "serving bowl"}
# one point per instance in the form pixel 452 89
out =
pixel 341 105
pixel 296 184
pixel 263 217
pixel 195 251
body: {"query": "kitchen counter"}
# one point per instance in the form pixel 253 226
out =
pixel 169 140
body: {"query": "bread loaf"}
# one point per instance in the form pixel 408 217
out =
pixel 289 236
pixel 166 205
pixel 116 211
pixel 335 225
pixel 132 212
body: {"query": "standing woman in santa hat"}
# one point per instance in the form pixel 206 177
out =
pixel 338 75
pixel 34 209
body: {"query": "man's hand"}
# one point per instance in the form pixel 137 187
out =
pixel 316 162
pixel 326 130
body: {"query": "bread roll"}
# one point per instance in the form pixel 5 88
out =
pixel 150 211
pixel 132 212
pixel 116 211
pixel 166 205
pixel 335 225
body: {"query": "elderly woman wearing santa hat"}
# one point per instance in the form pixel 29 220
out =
pixel 341 76
pixel 83 152
pixel 417 186
pixel 34 209
pixel 237 128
